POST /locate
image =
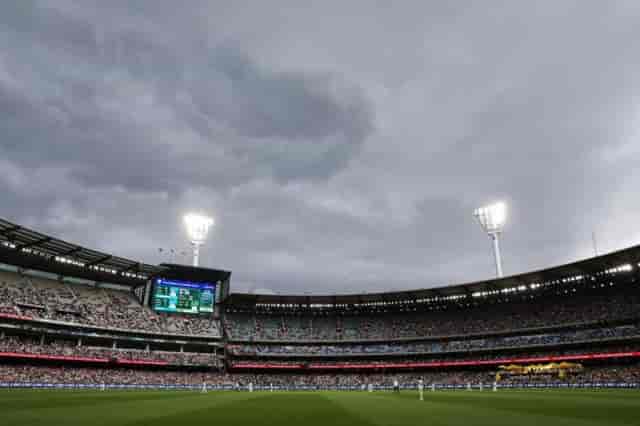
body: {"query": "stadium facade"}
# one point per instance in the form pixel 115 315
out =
pixel 76 317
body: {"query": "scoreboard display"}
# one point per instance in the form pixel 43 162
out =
pixel 183 296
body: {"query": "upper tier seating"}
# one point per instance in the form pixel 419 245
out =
pixel 441 346
pixel 483 318
pixel 46 299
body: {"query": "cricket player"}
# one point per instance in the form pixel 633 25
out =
pixel 421 389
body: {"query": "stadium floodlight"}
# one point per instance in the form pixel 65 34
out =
pixel 197 228
pixel 492 219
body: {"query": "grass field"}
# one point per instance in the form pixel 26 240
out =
pixel 548 408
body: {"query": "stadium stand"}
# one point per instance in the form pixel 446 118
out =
pixel 48 300
pixel 460 321
pixel 96 376
pixel 25 345
pixel 584 336
pixel 59 323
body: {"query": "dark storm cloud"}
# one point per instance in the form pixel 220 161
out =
pixel 340 151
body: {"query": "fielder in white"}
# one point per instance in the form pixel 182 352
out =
pixel 421 389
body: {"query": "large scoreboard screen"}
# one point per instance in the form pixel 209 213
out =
pixel 183 296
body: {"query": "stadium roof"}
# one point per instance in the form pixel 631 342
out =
pixel 29 242
pixel 625 261
pixel 24 247
pixel 172 270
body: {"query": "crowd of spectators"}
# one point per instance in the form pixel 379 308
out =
pixel 439 346
pixel 49 300
pixel 372 333
pixel 542 312
pixel 28 345
pixel 97 376
pixel 486 356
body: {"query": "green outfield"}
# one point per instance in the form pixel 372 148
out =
pixel 548 408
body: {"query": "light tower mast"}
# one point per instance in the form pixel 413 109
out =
pixel 492 219
pixel 197 228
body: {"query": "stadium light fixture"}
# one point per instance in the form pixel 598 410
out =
pixel 492 219
pixel 197 228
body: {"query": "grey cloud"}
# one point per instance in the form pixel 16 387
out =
pixel 122 113
pixel 339 151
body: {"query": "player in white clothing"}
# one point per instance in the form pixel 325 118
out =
pixel 421 389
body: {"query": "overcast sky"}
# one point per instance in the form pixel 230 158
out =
pixel 341 145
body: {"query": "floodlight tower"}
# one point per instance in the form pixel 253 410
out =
pixel 197 228
pixel 492 219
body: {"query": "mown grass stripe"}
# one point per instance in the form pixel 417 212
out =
pixel 135 408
